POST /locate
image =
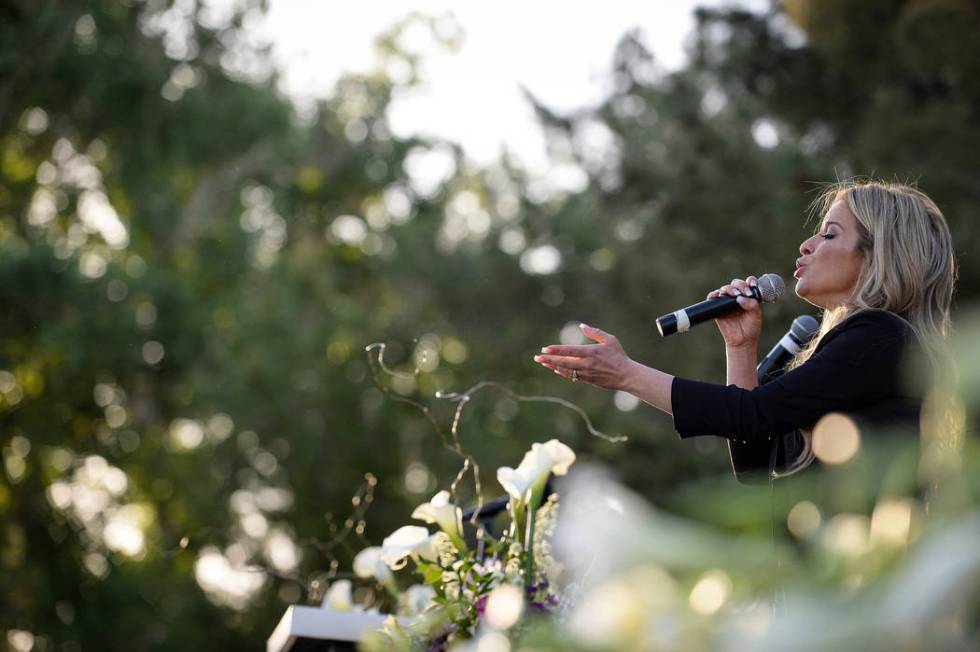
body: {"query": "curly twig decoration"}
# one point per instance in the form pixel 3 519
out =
pixel 462 399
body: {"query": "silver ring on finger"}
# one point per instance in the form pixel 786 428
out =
pixel 574 375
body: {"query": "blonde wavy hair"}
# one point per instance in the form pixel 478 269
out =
pixel 909 263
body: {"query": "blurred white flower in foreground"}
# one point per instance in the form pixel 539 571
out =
pixel 638 609
pixel 917 608
pixel 648 580
pixel 416 599
pixel 604 528
pixel 338 597
pixel 368 563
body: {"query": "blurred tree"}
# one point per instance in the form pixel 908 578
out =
pixel 191 268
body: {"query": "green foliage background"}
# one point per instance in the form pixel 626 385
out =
pixel 231 265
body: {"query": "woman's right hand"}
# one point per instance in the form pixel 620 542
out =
pixel 741 328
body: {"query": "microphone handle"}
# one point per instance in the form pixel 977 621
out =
pixel 755 463
pixel 682 320
pixel 775 361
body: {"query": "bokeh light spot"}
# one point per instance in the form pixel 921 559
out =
pixel 890 521
pixel 418 478
pixel 625 402
pixel 710 592
pixel 504 606
pixel 20 640
pixel 153 352
pixel 186 434
pixel 541 260
pixel 571 334
pixel 803 519
pixel 349 229
pixel 836 439
pixel 847 534
pixel 454 351
pixel 493 642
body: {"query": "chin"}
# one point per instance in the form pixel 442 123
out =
pixel 801 292
pixel 800 289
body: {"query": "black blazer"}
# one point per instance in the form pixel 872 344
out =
pixel 856 369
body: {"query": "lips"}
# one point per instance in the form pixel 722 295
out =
pixel 799 270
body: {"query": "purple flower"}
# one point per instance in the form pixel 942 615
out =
pixel 481 605
pixel 440 643
pixel 533 588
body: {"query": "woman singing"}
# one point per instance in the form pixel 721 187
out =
pixel 881 267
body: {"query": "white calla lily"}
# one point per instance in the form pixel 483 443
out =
pixel 409 541
pixel 550 457
pixel 368 563
pixel 445 514
pixel 338 597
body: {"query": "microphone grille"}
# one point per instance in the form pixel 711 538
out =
pixel 771 287
pixel 805 328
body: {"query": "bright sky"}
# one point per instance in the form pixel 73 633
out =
pixel 560 52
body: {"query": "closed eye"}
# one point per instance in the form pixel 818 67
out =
pixel 827 236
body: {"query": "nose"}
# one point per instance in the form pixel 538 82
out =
pixel 806 248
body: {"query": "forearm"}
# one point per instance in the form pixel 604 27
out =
pixel 649 385
pixel 653 386
pixel 741 363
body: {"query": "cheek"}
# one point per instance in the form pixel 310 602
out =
pixel 833 268
pixel 846 267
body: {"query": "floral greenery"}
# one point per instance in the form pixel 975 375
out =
pixel 465 589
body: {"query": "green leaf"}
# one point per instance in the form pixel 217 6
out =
pixel 432 574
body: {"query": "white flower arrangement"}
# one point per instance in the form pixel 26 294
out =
pixel 462 593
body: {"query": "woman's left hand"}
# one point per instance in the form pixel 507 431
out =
pixel 604 364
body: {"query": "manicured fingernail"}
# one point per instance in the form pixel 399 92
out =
pixel 537 358
pixel 545 349
pixel 584 325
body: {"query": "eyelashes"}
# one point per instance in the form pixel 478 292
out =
pixel 829 236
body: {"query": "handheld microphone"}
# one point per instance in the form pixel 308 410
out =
pixel 769 289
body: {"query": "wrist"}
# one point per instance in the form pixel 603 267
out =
pixel 745 355
pixel 744 349
pixel 627 383
pixel 741 364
